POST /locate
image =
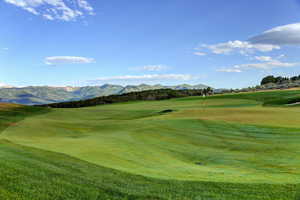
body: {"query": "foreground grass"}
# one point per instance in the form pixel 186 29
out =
pixel 221 147
pixel 32 174
pixel 222 140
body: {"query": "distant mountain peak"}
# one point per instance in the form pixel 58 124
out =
pixel 109 86
pixel 53 94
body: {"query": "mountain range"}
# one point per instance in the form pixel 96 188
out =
pixel 34 95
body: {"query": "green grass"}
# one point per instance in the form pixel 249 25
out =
pixel 32 174
pixel 222 147
pixel 10 114
pixel 267 98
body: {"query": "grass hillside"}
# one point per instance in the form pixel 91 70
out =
pixel 235 146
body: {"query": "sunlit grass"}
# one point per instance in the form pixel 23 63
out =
pixel 224 139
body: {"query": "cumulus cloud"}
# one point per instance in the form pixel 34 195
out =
pixel 152 68
pixel 265 63
pixel 267 41
pixel 268 65
pixel 86 6
pixel 281 35
pixel 65 10
pixel 56 60
pixel 49 17
pixel 240 46
pixel 261 66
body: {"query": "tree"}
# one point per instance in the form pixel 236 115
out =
pixel 268 79
pixel 295 78
pixel 280 80
pixel 209 91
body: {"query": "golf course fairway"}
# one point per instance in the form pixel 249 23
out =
pixel 233 146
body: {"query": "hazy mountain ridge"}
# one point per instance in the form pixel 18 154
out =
pixel 32 95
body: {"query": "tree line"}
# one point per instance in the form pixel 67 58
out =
pixel 159 94
pixel 279 79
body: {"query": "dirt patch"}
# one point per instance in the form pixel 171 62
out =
pixel 12 124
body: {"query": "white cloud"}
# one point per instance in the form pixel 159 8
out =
pixel 143 78
pixel 56 60
pixel 49 17
pixel 263 58
pixel 240 46
pixel 200 54
pixel 261 66
pixel 281 35
pixel 230 70
pixel 31 10
pixel 269 65
pixel 65 10
pixel 86 6
pixel 269 40
pixel 152 68
pixel 5 49
pixel 3 85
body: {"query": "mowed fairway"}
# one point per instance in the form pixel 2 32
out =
pixel 226 139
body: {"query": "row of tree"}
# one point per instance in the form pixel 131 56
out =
pixel 279 79
pixel 159 94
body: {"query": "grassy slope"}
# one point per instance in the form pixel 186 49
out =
pixel 133 137
pixel 10 114
pixel 32 174
pixel 267 98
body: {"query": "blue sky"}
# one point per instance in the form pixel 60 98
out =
pixel 220 43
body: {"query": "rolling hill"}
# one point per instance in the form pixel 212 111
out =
pixel 34 95
pixel 222 147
